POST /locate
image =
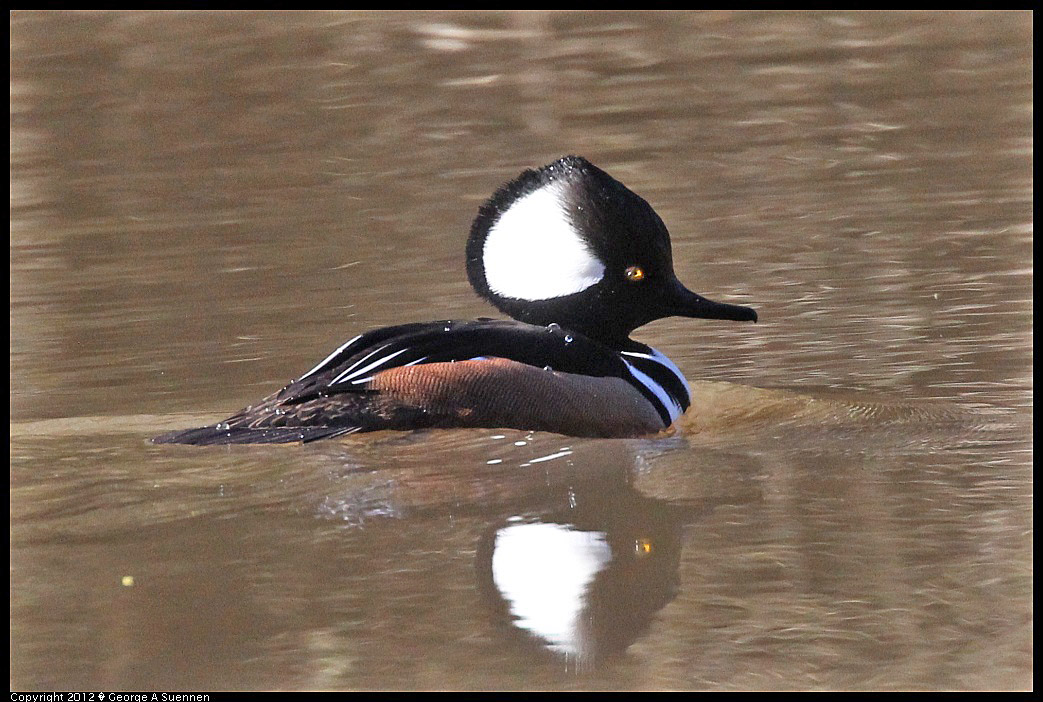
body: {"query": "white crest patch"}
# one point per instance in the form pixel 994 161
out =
pixel 533 252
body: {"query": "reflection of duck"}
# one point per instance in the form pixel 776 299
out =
pixel 580 261
pixel 586 579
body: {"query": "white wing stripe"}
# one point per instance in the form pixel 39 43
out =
pixel 329 358
pixel 348 374
pixel 404 365
pixel 359 362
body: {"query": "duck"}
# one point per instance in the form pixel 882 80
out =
pixel 578 261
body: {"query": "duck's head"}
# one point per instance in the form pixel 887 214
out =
pixel 569 244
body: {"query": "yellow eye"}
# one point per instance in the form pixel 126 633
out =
pixel 635 274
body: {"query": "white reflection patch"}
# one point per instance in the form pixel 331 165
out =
pixel 543 572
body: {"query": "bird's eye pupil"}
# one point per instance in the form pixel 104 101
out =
pixel 635 274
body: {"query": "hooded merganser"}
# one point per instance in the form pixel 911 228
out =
pixel 581 262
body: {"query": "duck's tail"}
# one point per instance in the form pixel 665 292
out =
pixel 219 434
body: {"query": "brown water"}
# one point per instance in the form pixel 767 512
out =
pixel 204 205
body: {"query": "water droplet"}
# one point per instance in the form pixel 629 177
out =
pixel 554 327
pixel 547 368
pixel 568 338
pixel 223 426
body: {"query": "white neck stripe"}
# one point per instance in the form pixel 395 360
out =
pixel 667 400
pixel 663 360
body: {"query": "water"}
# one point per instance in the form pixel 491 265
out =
pixel 204 205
